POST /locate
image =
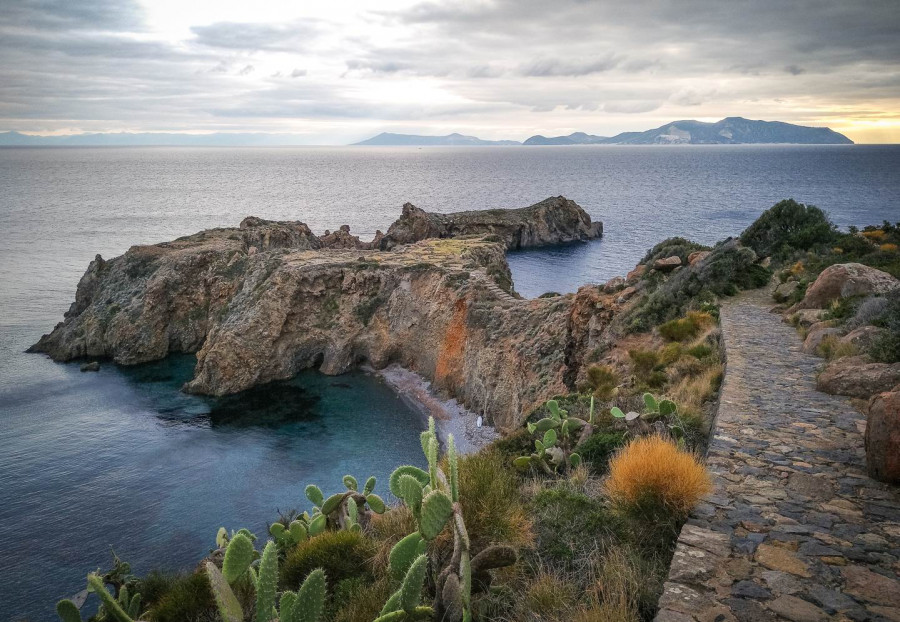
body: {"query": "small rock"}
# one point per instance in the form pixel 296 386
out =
pixel 667 264
pixel 871 586
pixel 817 334
pixel 636 274
pixel 797 609
pixel 749 589
pixel 626 294
pixel 777 558
pixel 92 366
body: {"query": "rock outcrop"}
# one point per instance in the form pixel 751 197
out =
pixel 268 299
pixel 552 221
pixel 846 280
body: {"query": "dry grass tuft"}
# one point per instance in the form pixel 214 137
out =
pixel 831 347
pixel 652 476
pixel 550 597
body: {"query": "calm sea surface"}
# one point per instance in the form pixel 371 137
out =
pixel 121 459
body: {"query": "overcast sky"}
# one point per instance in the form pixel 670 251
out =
pixel 339 71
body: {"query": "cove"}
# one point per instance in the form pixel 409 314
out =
pixel 123 460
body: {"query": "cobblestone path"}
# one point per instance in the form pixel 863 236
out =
pixel 795 530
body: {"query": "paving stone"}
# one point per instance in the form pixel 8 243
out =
pixel 797 609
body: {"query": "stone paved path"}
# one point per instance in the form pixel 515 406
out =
pixel 794 530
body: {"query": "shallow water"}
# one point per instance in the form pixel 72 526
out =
pixel 122 459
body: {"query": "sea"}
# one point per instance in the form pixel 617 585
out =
pixel 122 461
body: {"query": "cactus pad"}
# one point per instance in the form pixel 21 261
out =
pixel 350 482
pixel 226 602
pixel 411 589
pixel 67 611
pixel 370 486
pixel 238 557
pixel 375 503
pixel 310 598
pixel 403 554
pixel 667 407
pixel 436 511
pixel 267 583
pixel 651 403
pixel 332 502
pixel 415 472
pixel 317 525
pixel 314 494
pixel 110 604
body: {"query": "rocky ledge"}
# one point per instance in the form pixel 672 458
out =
pixel 263 301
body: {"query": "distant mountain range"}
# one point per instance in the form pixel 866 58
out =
pixel 386 139
pixel 729 131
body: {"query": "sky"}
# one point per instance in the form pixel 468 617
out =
pixel 339 71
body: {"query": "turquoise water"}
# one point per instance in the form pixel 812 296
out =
pixel 122 459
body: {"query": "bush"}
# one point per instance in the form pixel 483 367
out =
pixel 685 328
pixel 673 246
pixel 599 447
pixel 652 478
pixel 178 598
pixel 886 349
pixel 789 226
pixel 342 554
pixel 568 525
pixel 493 508
pixel 549 597
pixel 603 380
pixel 700 351
pixel 643 361
pixel 359 599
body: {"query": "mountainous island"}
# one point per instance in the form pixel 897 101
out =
pixel 728 131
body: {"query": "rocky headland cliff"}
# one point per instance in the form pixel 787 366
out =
pixel 268 299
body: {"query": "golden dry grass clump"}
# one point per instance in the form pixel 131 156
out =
pixel 652 474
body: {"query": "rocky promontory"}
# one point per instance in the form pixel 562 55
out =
pixel 268 299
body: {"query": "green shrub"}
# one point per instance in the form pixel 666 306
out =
pixel 700 351
pixel 549 295
pixel 359 599
pixel 673 246
pixel 342 554
pixel 568 524
pixel 599 448
pixel 643 361
pixel 656 379
pixel 603 380
pixel 514 445
pixel 685 328
pixel 178 598
pixel 789 226
pixel 886 349
pixel 493 510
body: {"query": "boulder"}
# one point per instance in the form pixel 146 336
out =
pixel 785 291
pixel 858 376
pixel 846 280
pixel 698 256
pixel 883 437
pixel 817 333
pixel 626 294
pixel 667 264
pixel 637 273
pixel 863 337
pixel 92 366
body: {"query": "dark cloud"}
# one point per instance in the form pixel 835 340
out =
pixel 560 67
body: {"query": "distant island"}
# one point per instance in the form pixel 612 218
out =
pixel 728 131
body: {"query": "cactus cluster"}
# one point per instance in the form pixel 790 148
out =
pixel 350 510
pixel 304 605
pixel 658 416
pixel 559 435
pixel 122 605
pixel 433 498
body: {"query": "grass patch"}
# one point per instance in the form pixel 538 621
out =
pixel 342 554
pixel 603 381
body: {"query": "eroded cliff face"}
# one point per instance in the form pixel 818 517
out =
pixel 266 300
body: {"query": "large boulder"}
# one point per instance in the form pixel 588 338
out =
pixel 858 376
pixel 846 280
pixel 667 264
pixel 785 290
pixel 883 437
